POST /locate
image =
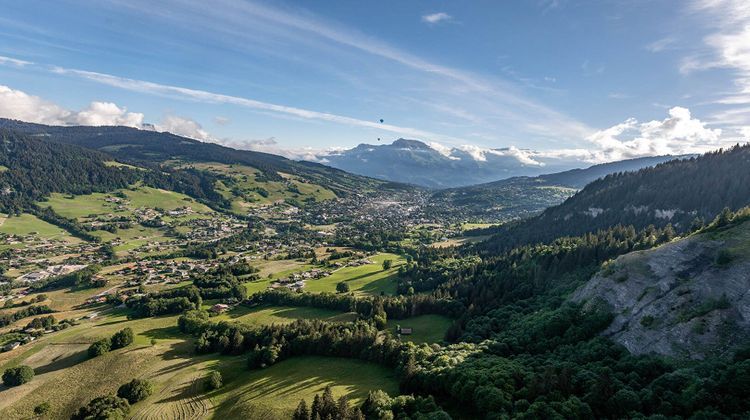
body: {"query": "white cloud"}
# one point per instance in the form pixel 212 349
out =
pixel 728 45
pixel 479 154
pixel 184 127
pixel 442 149
pixel 18 105
pixel 677 134
pixel 272 145
pixel 14 61
pixel 107 113
pixel 434 18
pixel 527 157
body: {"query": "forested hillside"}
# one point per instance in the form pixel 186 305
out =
pixel 34 168
pixel 155 148
pixel 682 193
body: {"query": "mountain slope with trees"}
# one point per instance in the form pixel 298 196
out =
pixel 683 193
pixel 153 149
pixel 34 168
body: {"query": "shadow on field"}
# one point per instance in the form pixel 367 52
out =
pixel 62 362
pixel 362 276
pixel 382 284
pixel 112 322
pixel 165 333
pixel 185 392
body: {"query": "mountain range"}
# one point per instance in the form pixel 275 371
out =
pixel 418 163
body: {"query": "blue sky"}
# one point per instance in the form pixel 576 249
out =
pixel 553 79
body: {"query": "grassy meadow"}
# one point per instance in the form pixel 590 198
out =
pixel 370 279
pixel 426 328
pixel 67 378
pixel 274 392
pixel 266 315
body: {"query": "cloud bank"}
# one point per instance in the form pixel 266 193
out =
pixel 19 105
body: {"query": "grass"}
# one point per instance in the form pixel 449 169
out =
pixel 266 315
pixel 369 279
pixel 26 224
pixel 248 179
pixel 276 269
pixel 458 241
pixel 115 164
pixel 470 226
pixel 427 328
pixel 78 206
pixel 68 379
pixel 274 392
pixel 81 206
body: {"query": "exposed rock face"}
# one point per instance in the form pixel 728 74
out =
pixel 688 298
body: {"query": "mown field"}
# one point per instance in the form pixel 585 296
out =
pixel 369 279
pixel 81 206
pixel 265 315
pixel 426 328
pixel 67 378
pixel 27 224
pixel 274 392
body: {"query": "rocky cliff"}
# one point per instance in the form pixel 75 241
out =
pixel 688 298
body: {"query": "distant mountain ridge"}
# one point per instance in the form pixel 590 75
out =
pixel 414 162
pixel 520 197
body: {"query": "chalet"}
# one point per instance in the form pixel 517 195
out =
pixel 405 330
pixel 219 308
pixel 12 346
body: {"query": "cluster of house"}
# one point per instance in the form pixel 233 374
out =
pixel 162 271
pixel 51 271
pixel 296 281
pixel 212 229
pixel 30 334
pixel 35 250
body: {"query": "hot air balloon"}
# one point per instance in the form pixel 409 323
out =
pixel 381 121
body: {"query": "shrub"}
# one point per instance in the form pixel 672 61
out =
pixel 214 381
pixel 17 375
pixel 41 409
pixel 647 321
pixel 108 407
pixel 724 257
pixel 342 287
pixel 100 347
pixel 122 338
pixel 135 390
